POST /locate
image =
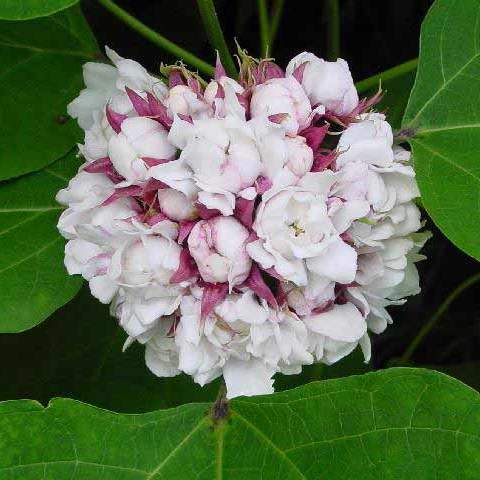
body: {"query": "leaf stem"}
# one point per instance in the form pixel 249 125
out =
pixel 427 328
pixel 394 72
pixel 276 17
pixel 333 29
pixel 215 35
pixel 156 38
pixel 264 28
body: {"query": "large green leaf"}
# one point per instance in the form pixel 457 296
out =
pixel 444 113
pixel 395 424
pixel 33 280
pixel 40 72
pixel 27 9
pixel 78 353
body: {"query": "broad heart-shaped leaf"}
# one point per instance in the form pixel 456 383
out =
pixel 395 424
pixel 33 280
pixel 444 115
pixel 40 72
pixel 27 9
pixel 77 353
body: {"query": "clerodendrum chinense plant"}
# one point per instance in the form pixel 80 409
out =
pixel 240 223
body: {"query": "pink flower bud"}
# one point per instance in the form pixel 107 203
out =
pixel 175 205
pixel 326 83
pixel 218 247
pixel 282 96
pixel 299 156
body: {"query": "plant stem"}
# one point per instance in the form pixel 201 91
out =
pixel 156 38
pixel 333 29
pixel 427 328
pixel 264 28
pixel 372 82
pixel 276 17
pixel 215 35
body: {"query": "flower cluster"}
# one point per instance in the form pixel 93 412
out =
pixel 240 228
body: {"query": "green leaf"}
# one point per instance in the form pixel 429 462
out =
pixel 40 72
pixel 444 112
pixel 395 424
pixel 33 279
pixel 77 353
pixel 466 372
pixel 28 9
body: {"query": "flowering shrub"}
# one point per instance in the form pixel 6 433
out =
pixel 240 228
pixel 257 224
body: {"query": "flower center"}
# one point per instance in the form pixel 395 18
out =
pixel 297 228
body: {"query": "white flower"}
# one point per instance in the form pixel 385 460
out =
pixel 281 342
pixel 183 100
pixel 218 345
pixel 221 155
pixel 143 268
pixel 84 195
pixel 200 343
pixel 161 353
pixel 326 83
pixel 86 190
pixel 296 232
pixel 92 262
pixel 100 82
pixel 96 139
pixel 106 84
pixel 368 141
pixel 247 378
pixel 149 260
pixel 336 332
pixel 197 217
pixel 319 293
pixel 131 74
pixel 218 247
pixel 139 137
pixel 285 159
pixel 221 95
pixel 282 96
pixel 176 205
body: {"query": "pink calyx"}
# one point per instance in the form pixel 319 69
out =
pixel 185 227
pixel 256 283
pixel 115 119
pixel 186 268
pixel 213 294
pixel 141 106
pixel 244 211
pixel 159 111
pixel 315 136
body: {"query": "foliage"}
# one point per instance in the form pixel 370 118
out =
pixel 32 275
pixel 443 115
pixel 28 9
pixel 40 72
pixel 399 423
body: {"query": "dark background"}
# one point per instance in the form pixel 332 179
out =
pixel 76 353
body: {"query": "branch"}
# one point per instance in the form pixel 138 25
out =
pixel 156 38
pixel 333 29
pixel 215 35
pixel 264 28
pixel 427 328
pixel 372 82
pixel 277 16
